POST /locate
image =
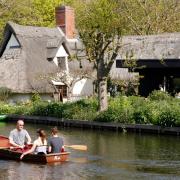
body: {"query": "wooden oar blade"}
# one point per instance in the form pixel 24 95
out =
pixel 77 147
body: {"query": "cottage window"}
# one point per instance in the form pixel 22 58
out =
pixel 61 62
pixel 50 59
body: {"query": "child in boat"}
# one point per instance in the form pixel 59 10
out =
pixel 39 145
pixel 55 143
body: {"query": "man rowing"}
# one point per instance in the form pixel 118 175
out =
pixel 19 137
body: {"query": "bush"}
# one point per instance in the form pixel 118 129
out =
pixel 5 108
pixel 39 109
pixel 22 110
pixel 120 110
pixel 159 95
pixel 35 97
pixel 169 115
pixel 107 116
pixel 142 113
pixel 82 109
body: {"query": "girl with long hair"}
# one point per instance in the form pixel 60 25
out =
pixel 39 145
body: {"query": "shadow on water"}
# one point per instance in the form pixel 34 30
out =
pixel 110 155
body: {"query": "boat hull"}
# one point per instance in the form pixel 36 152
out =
pixel 44 158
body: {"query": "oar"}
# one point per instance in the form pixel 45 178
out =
pixel 77 147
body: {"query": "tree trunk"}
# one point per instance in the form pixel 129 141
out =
pixel 102 94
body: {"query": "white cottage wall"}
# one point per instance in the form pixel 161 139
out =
pixel 83 87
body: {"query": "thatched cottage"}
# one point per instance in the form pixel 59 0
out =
pixel 29 55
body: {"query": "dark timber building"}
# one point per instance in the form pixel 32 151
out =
pixel 157 60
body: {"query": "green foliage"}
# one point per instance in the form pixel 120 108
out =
pixel 82 109
pixel 29 12
pixel 159 95
pixel 169 117
pixel 55 109
pixel 122 109
pixel 39 109
pixel 35 97
pixel 107 116
pixel 21 109
pixel 150 16
pixel 141 110
pixel 5 108
pixel 4 93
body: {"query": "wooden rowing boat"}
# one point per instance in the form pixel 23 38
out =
pixel 37 158
pixel 7 153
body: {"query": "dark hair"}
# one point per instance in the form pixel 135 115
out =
pixel 42 134
pixel 54 130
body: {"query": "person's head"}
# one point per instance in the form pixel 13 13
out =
pixel 41 133
pixel 20 125
pixel 54 131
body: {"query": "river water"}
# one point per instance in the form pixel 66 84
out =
pixel 110 156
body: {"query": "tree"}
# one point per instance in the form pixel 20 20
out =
pixel 29 12
pixel 14 10
pixel 102 23
pixel 95 20
pixel 151 16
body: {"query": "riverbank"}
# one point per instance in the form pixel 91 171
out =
pixel 155 113
pixel 117 127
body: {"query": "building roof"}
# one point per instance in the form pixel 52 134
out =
pixel 161 46
pixel 23 69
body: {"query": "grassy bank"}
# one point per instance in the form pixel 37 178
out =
pixel 157 109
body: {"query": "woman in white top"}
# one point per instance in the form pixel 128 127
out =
pixel 39 145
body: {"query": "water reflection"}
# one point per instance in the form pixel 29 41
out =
pixel 110 155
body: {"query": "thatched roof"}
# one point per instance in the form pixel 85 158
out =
pixel 161 46
pixel 21 69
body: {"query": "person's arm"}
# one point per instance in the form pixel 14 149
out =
pixel 49 146
pixel 63 148
pixel 28 138
pixel 49 149
pixel 29 151
pixel 11 141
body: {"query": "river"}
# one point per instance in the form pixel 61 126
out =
pixel 110 156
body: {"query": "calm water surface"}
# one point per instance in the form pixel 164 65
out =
pixel 110 156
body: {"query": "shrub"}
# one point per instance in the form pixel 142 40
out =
pixel 39 109
pixel 159 95
pixel 169 115
pixel 107 116
pixel 120 110
pixel 35 97
pixel 142 114
pixel 82 109
pixel 22 110
pixel 55 109
pixel 5 108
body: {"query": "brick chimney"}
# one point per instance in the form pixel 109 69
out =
pixel 65 20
